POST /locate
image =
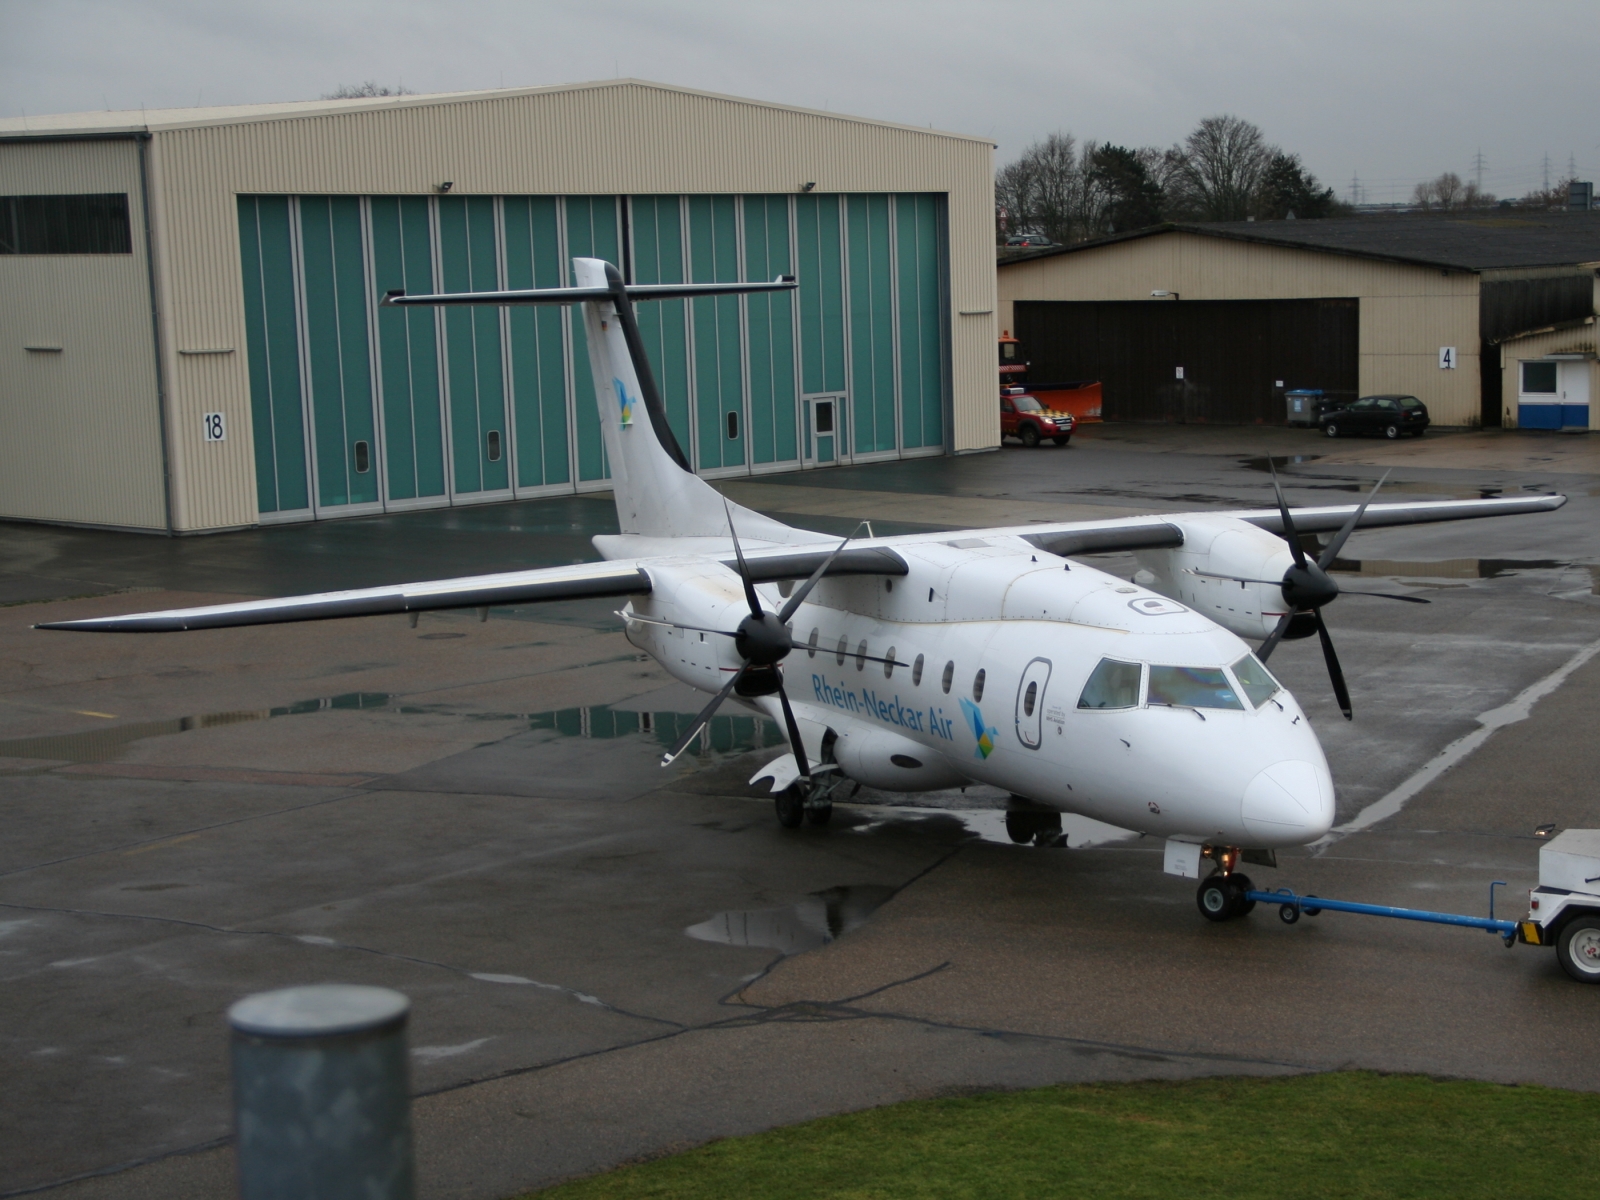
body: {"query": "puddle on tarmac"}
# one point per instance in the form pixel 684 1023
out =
pixel 723 736
pixel 814 921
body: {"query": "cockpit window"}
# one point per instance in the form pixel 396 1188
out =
pixel 1254 679
pixel 1191 687
pixel 1113 685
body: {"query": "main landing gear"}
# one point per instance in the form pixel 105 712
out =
pixel 1221 897
pixel 809 802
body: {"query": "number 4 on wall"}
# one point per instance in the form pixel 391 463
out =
pixel 1447 358
pixel 216 431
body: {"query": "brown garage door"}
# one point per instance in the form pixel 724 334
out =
pixel 1233 353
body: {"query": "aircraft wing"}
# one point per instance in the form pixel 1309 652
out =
pixel 1159 531
pixel 581 581
pixel 476 591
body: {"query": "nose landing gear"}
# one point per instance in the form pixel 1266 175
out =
pixel 809 804
pixel 1221 896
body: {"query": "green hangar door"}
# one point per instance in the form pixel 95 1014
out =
pixel 357 408
pixel 1224 361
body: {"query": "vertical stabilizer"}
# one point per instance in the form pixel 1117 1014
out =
pixel 657 493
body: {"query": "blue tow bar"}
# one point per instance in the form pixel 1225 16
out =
pixel 1293 907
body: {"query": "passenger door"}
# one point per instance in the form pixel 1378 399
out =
pixel 1030 702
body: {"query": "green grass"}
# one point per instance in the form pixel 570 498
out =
pixel 1349 1134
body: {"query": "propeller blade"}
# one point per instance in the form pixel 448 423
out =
pixel 1288 521
pixel 1335 672
pixel 1387 596
pixel 794 734
pixel 756 610
pixel 1332 552
pixel 1276 636
pixel 792 605
pixel 706 714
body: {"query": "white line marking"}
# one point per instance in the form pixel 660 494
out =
pixel 434 1053
pixel 1516 709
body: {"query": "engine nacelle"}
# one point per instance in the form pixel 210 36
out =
pixel 884 759
pixel 1223 546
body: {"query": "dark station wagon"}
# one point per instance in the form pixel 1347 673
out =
pixel 1389 415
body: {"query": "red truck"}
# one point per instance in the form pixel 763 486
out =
pixel 1023 417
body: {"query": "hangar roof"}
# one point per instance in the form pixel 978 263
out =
pixel 155 120
pixel 1485 241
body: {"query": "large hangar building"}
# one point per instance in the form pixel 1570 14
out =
pixel 1216 322
pixel 192 342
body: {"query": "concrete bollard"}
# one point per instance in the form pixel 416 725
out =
pixel 322 1094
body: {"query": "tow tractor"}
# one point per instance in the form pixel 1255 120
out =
pixel 1563 911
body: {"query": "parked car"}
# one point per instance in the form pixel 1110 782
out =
pixel 1028 239
pixel 1023 417
pixel 1389 415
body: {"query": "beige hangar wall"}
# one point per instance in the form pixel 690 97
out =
pixel 617 138
pixel 1407 312
pixel 82 423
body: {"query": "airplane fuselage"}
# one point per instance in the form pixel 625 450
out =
pixel 994 644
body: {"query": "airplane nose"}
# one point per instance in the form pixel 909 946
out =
pixel 1289 803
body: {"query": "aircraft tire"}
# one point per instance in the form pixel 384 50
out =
pixel 1216 899
pixel 791 806
pixel 819 814
pixel 1241 884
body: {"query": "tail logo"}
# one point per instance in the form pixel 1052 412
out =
pixel 984 733
pixel 624 402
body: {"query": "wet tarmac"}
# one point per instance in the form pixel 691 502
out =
pixel 474 813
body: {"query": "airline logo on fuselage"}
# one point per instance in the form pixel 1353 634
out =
pixel 984 733
pixel 888 709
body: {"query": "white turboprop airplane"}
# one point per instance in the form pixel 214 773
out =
pixel 930 661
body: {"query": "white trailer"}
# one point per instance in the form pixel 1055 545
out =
pixel 1564 910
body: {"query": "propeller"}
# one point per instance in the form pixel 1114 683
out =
pixel 1308 588
pixel 763 641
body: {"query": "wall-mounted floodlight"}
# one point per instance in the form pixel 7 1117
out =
pixel 1160 294
pixel 446 186
pixel 806 187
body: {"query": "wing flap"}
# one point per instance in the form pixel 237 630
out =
pixel 480 591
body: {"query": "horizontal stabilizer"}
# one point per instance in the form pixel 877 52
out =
pixel 479 591
pixel 576 295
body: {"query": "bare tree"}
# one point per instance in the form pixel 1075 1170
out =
pixel 358 91
pixel 1447 192
pixel 1224 160
pixel 1043 190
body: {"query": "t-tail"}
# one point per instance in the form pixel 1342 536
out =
pixel 658 494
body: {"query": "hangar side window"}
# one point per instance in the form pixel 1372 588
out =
pixel 81 224
pixel 1113 685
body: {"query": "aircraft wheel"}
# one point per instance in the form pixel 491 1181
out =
pixel 791 806
pixel 1029 435
pixel 1216 899
pixel 1062 440
pixel 819 814
pixel 1578 949
pixel 1241 885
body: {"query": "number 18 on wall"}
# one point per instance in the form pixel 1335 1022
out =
pixel 216 431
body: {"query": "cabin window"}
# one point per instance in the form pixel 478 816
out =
pixel 916 672
pixel 811 644
pixel 949 677
pixel 1191 687
pixel 1112 685
pixel 861 656
pixel 1257 683
pixel 844 649
pixel 977 685
pixel 888 663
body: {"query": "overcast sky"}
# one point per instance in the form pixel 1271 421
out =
pixel 1393 92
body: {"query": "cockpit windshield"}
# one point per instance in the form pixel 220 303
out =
pixel 1191 687
pixel 1112 685
pixel 1255 680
